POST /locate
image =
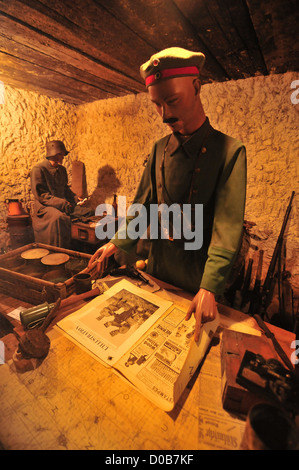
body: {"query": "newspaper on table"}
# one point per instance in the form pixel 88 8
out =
pixel 143 337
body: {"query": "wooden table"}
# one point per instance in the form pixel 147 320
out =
pixel 72 401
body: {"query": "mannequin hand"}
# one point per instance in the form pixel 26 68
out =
pixel 101 257
pixel 81 201
pixel 204 308
pixel 68 208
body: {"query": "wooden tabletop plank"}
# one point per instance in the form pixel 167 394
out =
pixel 73 401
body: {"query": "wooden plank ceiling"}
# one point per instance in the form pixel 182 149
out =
pixel 85 50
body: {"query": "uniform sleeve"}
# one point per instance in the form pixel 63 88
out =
pixel 70 196
pixel 145 195
pixel 228 223
pixel 42 193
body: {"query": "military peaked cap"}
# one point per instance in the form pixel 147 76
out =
pixel 170 63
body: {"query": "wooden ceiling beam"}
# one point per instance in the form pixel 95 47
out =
pixel 222 31
pixel 242 36
pixel 118 45
pixel 47 82
pixel 276 26
pixel 30 37
pixel 164 25
pixel 35 57
pixel 85 50
pixel 105 40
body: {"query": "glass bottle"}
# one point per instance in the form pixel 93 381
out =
pixel 114 205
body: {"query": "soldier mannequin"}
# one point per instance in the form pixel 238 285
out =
pixel 54 201
pixel 216 166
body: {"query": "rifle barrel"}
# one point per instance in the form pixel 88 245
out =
pixel 270 273
pixel 273 261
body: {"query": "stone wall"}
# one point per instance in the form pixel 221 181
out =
pixel 113 137
pixel 259 112
pixel 27 121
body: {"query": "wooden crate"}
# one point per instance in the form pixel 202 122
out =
pixel 34 289
pixel 85 232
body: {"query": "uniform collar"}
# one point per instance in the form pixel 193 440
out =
pixel 191 146
pixel 49 167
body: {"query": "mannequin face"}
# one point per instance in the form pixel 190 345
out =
pixel 57 159
pixel 178 102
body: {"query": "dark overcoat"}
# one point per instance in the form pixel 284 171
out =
pixel 54 201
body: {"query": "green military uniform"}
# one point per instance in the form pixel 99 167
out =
pixel 208 168
pixel 212 166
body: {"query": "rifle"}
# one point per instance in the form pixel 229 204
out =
pixel 255 296
pixel 232 294
pixel 268 285
pixel 245 289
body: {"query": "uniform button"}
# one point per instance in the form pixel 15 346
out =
pixel 203 150
pixel 197 170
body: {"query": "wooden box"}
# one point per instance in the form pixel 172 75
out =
pixel 233 346
pixel 21 280
pixel 85 232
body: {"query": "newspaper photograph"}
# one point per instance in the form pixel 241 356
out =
pixel 110 324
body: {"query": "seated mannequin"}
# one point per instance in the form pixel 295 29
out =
pixel 55 203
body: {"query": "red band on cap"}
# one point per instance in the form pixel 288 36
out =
pixel 167 73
